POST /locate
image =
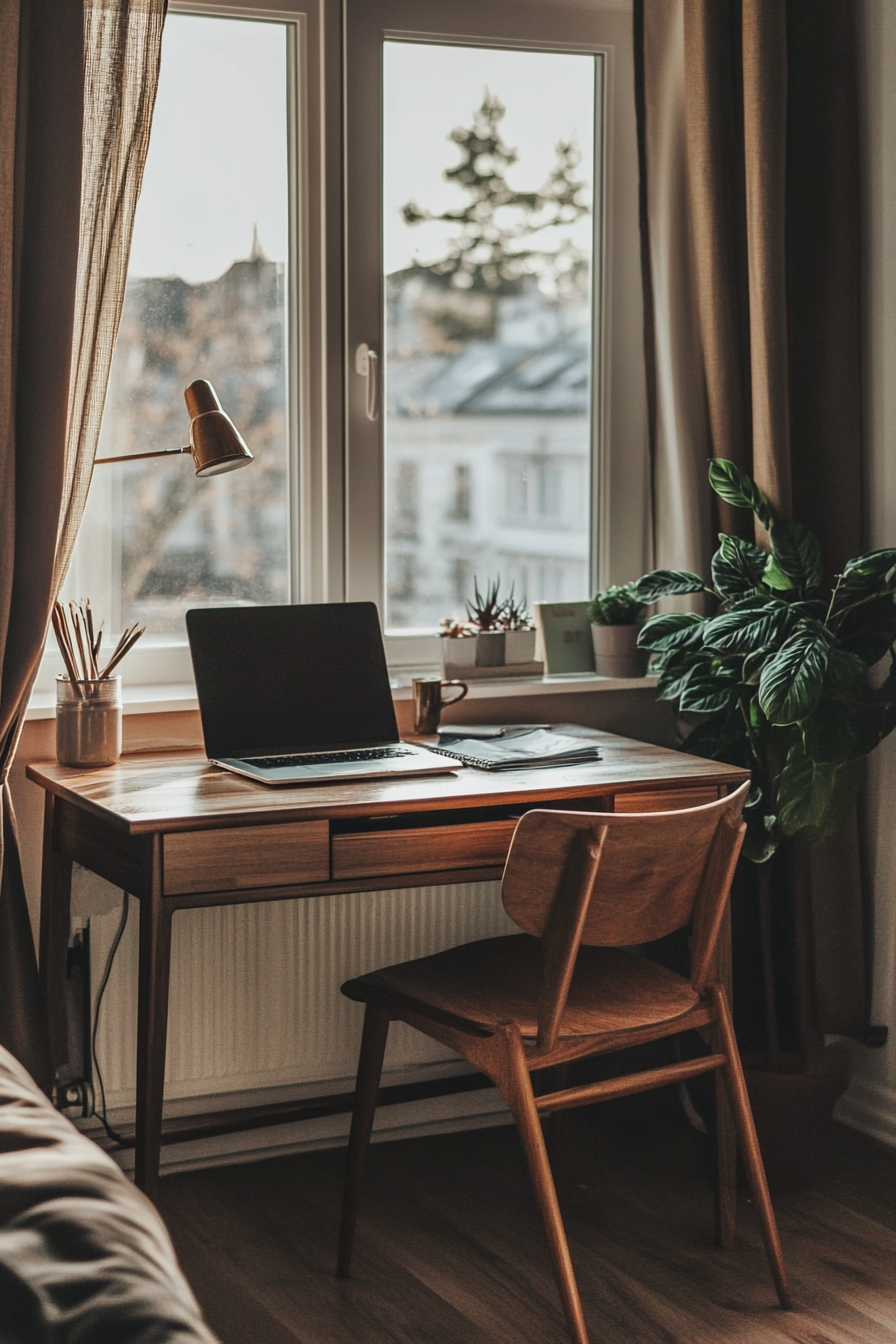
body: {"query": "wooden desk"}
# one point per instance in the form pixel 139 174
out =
pixel 177 833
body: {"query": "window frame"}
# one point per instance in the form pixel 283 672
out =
pixel 313 319
pixel 329 549
pixel 620 543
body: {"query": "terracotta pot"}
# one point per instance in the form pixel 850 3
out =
pixel 616 652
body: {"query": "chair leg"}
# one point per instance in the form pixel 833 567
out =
pixel 746 1132
pixel 726 1164
pixel 370 1067
pixel 516 1084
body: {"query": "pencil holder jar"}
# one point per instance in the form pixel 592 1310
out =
pixel 88 721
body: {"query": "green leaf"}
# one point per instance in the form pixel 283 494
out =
pixel 845 672
pixel 737 567
pixel 829 734
pixel 667 583
pixel 753 665
pixel 761 839
pixel 758 721
pixel 815 796
pixel 869 630
pixel 797 554
pixel 720 738
pixel 748 629
pixel 774 577
pixel 877 566
pixel 735 487
pixel 681 666
pixel 843 795
pixel 673 630
pixel 793 679
pixel 831 731
pixel 805 789
pixel 707 696
pixel 863 613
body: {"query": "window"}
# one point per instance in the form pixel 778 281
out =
pixel 217 289
pixel 462 494
pixel 499 282
pixel 392 181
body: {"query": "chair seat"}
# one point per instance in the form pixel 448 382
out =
pixel 499 979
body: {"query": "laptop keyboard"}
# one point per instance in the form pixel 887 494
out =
pixel 332 757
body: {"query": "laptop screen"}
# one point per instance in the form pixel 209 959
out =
pixel 277 680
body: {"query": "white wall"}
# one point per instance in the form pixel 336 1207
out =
pixel 871 1101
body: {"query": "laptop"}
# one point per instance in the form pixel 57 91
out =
pixel 300 694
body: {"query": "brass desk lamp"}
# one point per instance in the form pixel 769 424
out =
pixel 215 442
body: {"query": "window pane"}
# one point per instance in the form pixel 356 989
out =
pixel 488 239
pixel 206 298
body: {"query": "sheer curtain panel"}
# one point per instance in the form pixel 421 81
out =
pixel 77 85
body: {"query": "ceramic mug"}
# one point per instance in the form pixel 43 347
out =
pixel 429 702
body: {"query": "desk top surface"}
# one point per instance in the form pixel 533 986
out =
pixel 181 790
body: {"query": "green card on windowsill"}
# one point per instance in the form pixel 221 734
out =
pixel 563 637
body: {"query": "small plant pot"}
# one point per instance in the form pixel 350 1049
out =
pixel 490 648
pixel 519 646
pixel 616 652
pixel 457 653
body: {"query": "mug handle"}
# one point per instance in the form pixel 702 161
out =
pixel 457 699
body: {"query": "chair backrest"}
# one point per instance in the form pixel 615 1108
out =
pixel 616 879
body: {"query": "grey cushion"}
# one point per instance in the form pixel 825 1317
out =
pixel 84 1256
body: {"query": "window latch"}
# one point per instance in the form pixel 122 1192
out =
pixel 366 364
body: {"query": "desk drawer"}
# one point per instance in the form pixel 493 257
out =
pixel 421 849
pixel 667 800
pixel 247 857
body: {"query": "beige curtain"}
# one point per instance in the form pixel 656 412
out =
pixel 749 165
pixel 680 436
pixel 77 85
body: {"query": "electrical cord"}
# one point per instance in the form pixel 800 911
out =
pixel 107 970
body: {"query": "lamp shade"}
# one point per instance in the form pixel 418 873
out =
pixel 215 442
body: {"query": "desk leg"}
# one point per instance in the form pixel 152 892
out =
pixel 152 1025
pixel 55 922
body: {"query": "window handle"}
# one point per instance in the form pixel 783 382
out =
pixel 367 365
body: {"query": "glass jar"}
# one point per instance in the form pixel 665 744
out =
pixel 88 721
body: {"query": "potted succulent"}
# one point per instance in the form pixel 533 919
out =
pixel 484 614
pixel 776 677
pixel 498 632
pixel 519 632
pixel 615 614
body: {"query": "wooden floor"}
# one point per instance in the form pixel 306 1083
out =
pixel 450 1250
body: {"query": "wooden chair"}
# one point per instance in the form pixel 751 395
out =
pixel 584 887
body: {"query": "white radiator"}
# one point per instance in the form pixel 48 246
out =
pixel 255 1000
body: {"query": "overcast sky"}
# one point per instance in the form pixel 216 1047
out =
pixel 430 89
pixel 218 153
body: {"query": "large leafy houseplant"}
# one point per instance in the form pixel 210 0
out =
pixel 777 678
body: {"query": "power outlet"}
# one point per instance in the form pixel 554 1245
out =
pixel 75 1097
pixel 74 1083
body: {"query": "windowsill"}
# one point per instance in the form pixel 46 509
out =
pixel 505 688
pixel 162 699
pixel 181 696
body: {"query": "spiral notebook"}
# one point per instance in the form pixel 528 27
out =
pixel 518 749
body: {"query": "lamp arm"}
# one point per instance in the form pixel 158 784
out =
pixel 136 457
